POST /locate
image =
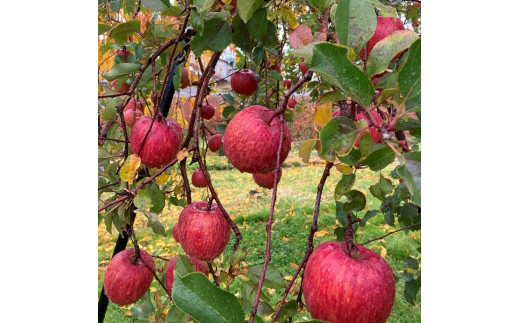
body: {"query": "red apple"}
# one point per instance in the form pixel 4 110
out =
pixel 244 82
pixel 373 129
pixel 127 279
pixel 161 145
pixel 266 180
pixel 287 84
pixel 339 288
pixel 303 68
pixel 291 103
pixel 169 278
pixel 121 87
pixel 203 234
pixel 131 117
pixel 215 142
pixel 198 180
pixel 250 144
pixel 124 54
pixel 132 105
pixel 207 111
pixel 175 232
pixel 417 4
pixel 185 78
pixel 273 66
pixel 385 27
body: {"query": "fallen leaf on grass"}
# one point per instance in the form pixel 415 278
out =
pixel 322 233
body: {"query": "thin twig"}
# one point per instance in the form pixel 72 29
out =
pixel 386 235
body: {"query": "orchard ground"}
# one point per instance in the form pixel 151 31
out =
pixel 248 205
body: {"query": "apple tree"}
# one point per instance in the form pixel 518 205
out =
pixel 356 62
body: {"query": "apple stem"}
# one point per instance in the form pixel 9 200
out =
pixel 349 235
pixel 210 201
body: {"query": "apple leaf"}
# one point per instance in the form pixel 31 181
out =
pixel 331 62
pixel 338 137
pixel 121 69
pixel 183 265
pixel 121 32
pixel 344 169
pixel 386 49
pixel 156 5
pixel 409 215
pixel 379 159
pixel 246 8
pixel 177 76
pixel 332 96
pixel 368 215
pixel 301 36
pixel 410 76
pixel 273 277
pixel 305 149
pixel 344 185
pixel 352 158
pixel 143 200
pixel 196 296
pixel 410 183
pixel 237 256
pixel 216 37
pixel 175 315
pixel 157 198
pixel 361 25
pixel 257 26
pixel 323 114
pixel 366 144
pixel 320 5
pixel 203 5
pixel 288 310
pixel 342 21
pixel 288 15
pixel 153 222
pixel 102 28
pixel 411 288
pixel 356 201
pixel 384 11
pixel 129 168
pixel 144 308
pixel 109 114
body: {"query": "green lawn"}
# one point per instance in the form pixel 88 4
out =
pixel 292 219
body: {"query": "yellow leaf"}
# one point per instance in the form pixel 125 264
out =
pixel 322 233
pixel 284 238
pixel 162 179
pixel 293 265
pixel 289 16
pixel 182 154
pixel 323 114
pixel 129 169
pixel 288 278
pixel 270 291
pixel 344 169
pixel 383 252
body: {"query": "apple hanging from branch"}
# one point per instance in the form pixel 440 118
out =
pixel 244 82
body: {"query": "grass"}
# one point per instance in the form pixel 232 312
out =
pixel 249 205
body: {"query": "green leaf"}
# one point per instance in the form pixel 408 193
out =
pixel 344 185
pixel 121 69
pixel 386 185
pixel 380 158
pixel 258 23
pixel 410 75
pixel 203 5
pixel 356 201
pixel 366 144
pixel 177 76
pixel 156 5
pixel 320 5
pixel 157 198
pixel 183 265
pixel 129 168
pixel 273 277
pixel 237 256
pixel 144 308
pixel 241 36
pixel 333 96
pixel 341 215
pixel 103 29
pixel 408 179
pixel 411 263
pixel 370 214
pixel 109 114
pixel 275 75
pixel 352 158
pixel 340 233
pixel 384 11
pixel 361 25
pixel 216 37
pixel 153 222
pixel 387 48
pixel 411 288
pixel 305 149
pixel 175 315
pixel 143 200
pixel 408 215
pixel 375 190
pixel 196 296
pixel 270 40
pixel 121 32
pixel 331 62
pixel 246 8
pixel 342 21
pixel 288 310
pixel 258 55
pixel 338 136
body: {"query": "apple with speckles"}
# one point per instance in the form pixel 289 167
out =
pixel 251 143
pixel 215 142
pixel 169 278
pixel 203 234
pixel 161 145
pixel 127 279
pixel 244 82
pixel 343 288
pixel 266 180
pixel 198 179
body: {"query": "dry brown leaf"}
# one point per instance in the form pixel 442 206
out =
pixel 300 37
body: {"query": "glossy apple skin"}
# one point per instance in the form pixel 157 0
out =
pixel 131 117
pixel 197 178
pixel 132 105
pixel 250 144
pixel 169 277
pixel 266 180
pixel 303 67
pixel 175 232
pixel 215 142
pixel 244 82
pixel 161 145
pixel 125 283
pixel 385 26
pixel 207 111
pixel 203 235
pixel 343 289
pixel 291 103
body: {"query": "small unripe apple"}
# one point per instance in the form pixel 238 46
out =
pixel 303 68
pixel 215 142
pixel 266 180
pixel 124 54
pixel 131 117
pixel 185 78
pixel 161 145
pixel 287 84
pixel 340 288
pixel 207 111
pixel 251 144
pixel 197 178
pixel 244 82
pixel 203 234
pixel 291 103
pixel 132 105
pixel 127 279
pixel 385 27
pixel 169 277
